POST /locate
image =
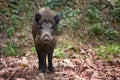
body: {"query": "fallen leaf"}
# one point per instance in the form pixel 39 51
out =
pixel 76 77
pixel 95 75
pixel 68 63
pixel 2 71
pixel 83 51
pixel 92 54
pixel 1 78
pixel 3 61
pixel 66 60
pixel 20 79
pixel 22 63
pixel 90 63
pixel 85 47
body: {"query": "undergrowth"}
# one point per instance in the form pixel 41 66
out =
pixel 109 51
pixel 11 49
pixel 19 14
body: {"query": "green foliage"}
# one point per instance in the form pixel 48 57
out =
pixel 112 34
pixel 54 3
pixel 71 17
pixel 59 53
pixel 11 49
pixel 15 22
pixel 61 3
pixel 14 17
pixel 118 3
pixel 1 27
pixel 70 13
pixel 93 14
pixel 60 27
pixel 116 12
pixel 10 31
pixel 17 5
pixel 33 49
pixel 96 29
pixel 107 52
pixel 12 12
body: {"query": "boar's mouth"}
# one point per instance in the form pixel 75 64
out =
pixel 46 40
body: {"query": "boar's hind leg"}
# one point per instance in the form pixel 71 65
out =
pixel 50 65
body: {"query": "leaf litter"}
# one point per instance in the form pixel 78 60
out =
pixel 82 67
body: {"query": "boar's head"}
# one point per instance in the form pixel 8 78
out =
pixel 46 23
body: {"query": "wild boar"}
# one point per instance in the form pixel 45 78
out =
pixel 44 31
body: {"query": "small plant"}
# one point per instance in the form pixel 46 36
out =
pixel 10 31
pixel 93 14
pixel 109 51
pixel 59 28
pixel 96 29
pixel 11 49
pixel 117 14
pixel 14 17
pixel 33 49
pixel 112 34
pixel 59 53
pixel 118 2
pixel 1 27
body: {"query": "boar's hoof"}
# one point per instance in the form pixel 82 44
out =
pixel 51 70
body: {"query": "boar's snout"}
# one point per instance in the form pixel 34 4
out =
pixel 46 38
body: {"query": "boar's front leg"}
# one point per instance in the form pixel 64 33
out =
pixel 50 65
pixel 43 62
pixel 39 61
pixel 39 58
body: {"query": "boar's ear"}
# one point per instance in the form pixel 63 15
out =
pixel 57 19
pixel 37 17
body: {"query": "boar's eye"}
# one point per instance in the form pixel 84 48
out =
pixel 51 30
pixel 40 26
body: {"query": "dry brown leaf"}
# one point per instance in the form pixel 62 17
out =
pixel 68 63
pixel 95 75
pixel 3 71
pixel 23 63
pixel 1 78
pixel 90 63
pixel 69 53
pixel 20 35
pixel 92 54
pixel 82 51
pixel 85 47
pixel 20 79
pixel 3 61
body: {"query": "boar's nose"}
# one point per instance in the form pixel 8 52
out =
pixel 46 38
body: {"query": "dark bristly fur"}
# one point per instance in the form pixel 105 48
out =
pixel 45 36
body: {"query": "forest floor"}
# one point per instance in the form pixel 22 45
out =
pixel 74 68
pixel 85 65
